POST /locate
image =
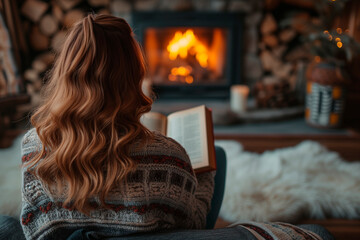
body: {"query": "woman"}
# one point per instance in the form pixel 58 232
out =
pixel 88 162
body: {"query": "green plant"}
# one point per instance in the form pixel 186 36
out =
pixel 326 42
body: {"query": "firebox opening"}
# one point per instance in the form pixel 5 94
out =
pixel 186 55
pixel 191 55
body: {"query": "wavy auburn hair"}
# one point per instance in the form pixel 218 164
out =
pixel 91 112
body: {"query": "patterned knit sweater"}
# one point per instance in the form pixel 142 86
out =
pixel 163 193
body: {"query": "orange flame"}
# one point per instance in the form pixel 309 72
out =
pixel 183 43
pixel 183 72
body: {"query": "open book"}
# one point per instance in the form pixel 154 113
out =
pixel 193 129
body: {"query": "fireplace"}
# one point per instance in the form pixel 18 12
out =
pixel 191 54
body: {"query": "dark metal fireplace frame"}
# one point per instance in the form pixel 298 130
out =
pixel 233 22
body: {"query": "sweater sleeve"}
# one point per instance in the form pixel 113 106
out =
pixel 203 195
pixel 30 145
pixel 203 192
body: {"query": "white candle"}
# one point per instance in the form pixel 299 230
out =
pixel 238 98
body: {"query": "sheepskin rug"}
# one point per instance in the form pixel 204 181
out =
pixel 287 184
pixel 281 185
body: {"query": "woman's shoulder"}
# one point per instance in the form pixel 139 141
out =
pixel 30 141
pixel 162 145
pixel 162 139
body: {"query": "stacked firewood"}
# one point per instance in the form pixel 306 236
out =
pixel 280 55
pixel 46 23
pixel 49 20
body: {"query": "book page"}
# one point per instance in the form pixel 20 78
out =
pixel 154 121
pixel 189 129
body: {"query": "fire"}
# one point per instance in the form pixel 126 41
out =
pixel 189 79
pixel 186 43
pixel 183 72
pixel 182 45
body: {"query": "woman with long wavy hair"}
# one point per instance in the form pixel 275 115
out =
pixel 91 170
pixel 89 163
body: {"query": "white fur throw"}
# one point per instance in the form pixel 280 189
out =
pixel 280 185
pixel 286 184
